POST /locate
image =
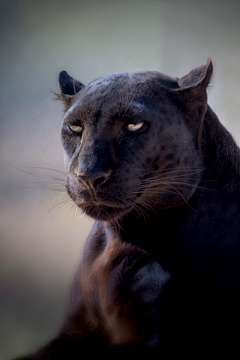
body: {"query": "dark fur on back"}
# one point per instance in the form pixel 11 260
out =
pixel 149 160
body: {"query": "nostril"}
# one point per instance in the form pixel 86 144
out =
pixel 99 181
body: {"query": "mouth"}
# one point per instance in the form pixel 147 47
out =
pixel 99 208
pixel 101 205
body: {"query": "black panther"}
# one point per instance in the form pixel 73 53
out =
pixel 149 160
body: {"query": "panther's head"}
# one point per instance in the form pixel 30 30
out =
pixel 132 140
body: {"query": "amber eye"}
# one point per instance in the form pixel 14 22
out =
pixel 77 129
pixel 135 127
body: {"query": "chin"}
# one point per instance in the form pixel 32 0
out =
pixel 104 212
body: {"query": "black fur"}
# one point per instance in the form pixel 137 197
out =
pixel 160 274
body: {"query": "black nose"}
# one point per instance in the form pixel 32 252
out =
pixel 94 179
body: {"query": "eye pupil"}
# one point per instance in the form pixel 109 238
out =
pixel 135 127
pixel 75 128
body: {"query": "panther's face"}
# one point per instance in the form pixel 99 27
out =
pixel 127 145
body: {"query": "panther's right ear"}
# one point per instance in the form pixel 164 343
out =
pixel 68 87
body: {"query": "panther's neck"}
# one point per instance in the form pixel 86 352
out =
pixel 221 155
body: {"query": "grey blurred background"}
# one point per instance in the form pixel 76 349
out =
pixel 41 234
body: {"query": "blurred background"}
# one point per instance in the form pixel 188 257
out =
pixel 41 233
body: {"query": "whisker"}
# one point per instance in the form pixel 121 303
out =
pixel 75 212
pixel 70 209
pixel 38 168
pixel 171 174
pixel 59 205
pixel 171 181
pixel 174 170
pixel 29 170
pixel 185 201
pixel 135 205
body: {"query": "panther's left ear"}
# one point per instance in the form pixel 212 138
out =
pixel 191 96
pixel 68 87
pixel 198 78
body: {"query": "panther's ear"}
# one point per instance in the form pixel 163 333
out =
pixel 191 96
pixel 68 87
pixel 197 78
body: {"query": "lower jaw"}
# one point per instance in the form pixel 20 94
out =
pixel 104 212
